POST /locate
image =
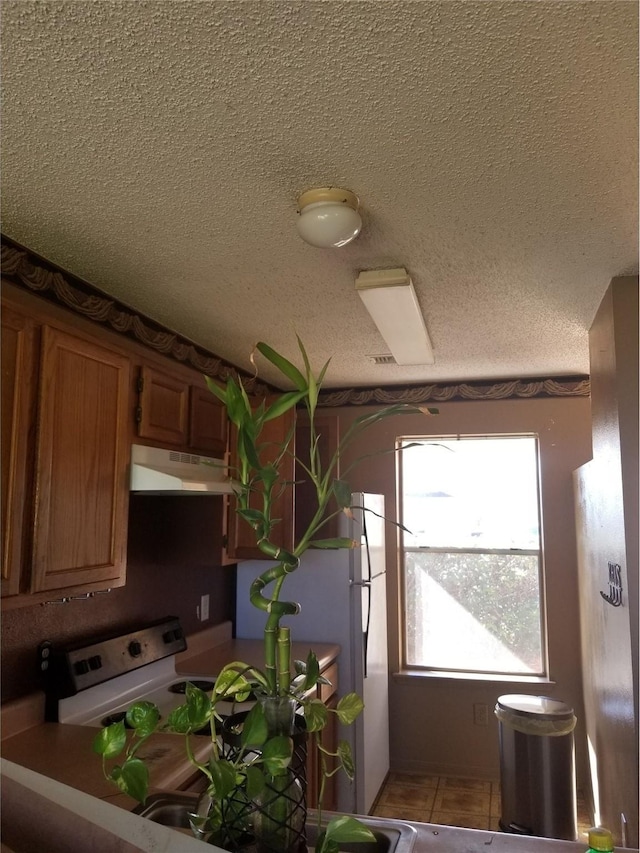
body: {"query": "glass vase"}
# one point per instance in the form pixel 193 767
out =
pixel 280 813
pixel 277 816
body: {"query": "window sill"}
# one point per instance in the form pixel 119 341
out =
pixel 408 675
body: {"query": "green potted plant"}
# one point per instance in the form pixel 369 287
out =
pixel 255 777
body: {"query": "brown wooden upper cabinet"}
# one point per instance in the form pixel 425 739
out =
pixel 82 453
pixel 207 421
pixel 65 453
pixel 173 410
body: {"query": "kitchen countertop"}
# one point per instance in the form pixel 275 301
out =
pixel 251 652
pixel 63 752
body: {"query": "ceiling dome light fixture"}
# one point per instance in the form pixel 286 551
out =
pixel 328 217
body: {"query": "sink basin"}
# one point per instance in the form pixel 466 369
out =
pixel 172 809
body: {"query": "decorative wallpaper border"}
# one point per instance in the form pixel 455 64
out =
pixel 415 394
pixel 27 270
pixel 31 272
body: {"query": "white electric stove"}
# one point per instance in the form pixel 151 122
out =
pixel 94 682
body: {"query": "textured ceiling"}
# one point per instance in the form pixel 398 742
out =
pixel 157 149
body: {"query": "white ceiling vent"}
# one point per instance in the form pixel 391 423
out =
pixel 387 358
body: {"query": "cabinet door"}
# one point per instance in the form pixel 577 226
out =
pixel 241 537
pixel 18 366
pixel 163 407
pixel 207 422
pixel 81 464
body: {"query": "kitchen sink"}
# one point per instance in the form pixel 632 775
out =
pixel 391 836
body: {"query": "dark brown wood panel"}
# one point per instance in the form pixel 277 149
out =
pixel 207 422
pixel 18 366
pixel 163 407
pixel 81 464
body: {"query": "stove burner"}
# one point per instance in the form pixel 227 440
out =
pixel 118 717
pixel 181 686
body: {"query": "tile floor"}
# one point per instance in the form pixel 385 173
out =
pixel 448 800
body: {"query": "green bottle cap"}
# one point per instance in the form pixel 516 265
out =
pixel 600 839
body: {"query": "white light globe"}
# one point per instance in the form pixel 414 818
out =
pixel 328 217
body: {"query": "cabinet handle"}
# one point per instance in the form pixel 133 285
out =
pixel 85 596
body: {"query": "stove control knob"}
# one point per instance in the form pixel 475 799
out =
pixel 95 662
pixel 135 649
pixel 81 667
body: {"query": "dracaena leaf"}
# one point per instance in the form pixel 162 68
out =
pixel 216 390
pixel 312 671
pixel 284 365
pixel 235 404
pixel 283 404
pixel 251 515
pixel 342 491
pixel 269 476
pixel 246 448
pixel 338 542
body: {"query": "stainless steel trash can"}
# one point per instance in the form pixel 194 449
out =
pixel 537 766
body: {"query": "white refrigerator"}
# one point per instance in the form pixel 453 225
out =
pixel 343 598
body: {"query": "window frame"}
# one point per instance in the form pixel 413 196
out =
pixel 503 675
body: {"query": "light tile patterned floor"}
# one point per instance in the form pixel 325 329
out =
pixel 448 800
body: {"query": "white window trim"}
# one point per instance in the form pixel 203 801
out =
pixel 408 673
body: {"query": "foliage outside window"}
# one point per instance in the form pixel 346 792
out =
pixel 471 556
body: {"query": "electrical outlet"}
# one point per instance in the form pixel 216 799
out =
pixel 44 655
pixel 480 714
pixel 204 608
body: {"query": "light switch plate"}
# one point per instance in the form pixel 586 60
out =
pixel 204 608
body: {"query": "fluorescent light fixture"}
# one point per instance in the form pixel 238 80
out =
pixel 389 297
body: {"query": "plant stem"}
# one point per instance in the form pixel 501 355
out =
pixel 284 660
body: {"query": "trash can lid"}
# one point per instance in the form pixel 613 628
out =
pixel 540 707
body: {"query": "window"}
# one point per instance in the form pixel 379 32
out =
pixel 471 560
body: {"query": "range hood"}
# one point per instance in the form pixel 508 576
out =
pixel 155 471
